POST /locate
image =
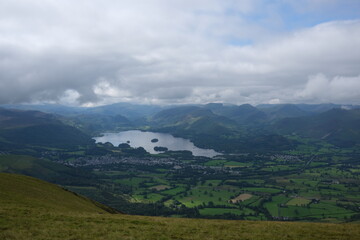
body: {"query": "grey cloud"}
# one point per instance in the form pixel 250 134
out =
pixel 341 89
pixel 96 52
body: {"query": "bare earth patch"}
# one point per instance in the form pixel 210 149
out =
pixel 241 197
pixel 160 187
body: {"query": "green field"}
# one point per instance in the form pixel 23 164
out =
pixel 281 187
pixel 221 211
pixel 298 187
pixel 33 209
pixel 262 190
pixel 298 202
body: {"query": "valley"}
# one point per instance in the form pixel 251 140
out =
pixel 323 187
pixel 180 120
pixel 261 173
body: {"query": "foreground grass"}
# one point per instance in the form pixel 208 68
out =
pixel 29 224
pixel 33 209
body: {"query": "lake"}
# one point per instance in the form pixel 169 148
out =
pixel 143 139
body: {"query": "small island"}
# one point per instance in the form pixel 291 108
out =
pixel 154 140
pixel 124 145
pixel 161 149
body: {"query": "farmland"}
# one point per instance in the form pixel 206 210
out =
pixel 285 185
pixel 34 209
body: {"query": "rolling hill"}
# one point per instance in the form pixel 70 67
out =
pixel 337 126
pixel 34 209
pixel 97 123
pixel 44 169
pixel 192 119
pixel 243 114
pixel 128 110
pixel 37 128
pixel 31 193
pixel 281 111
pixel 209 130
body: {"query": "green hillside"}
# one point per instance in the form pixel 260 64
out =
pixel 209 130
pixel 44 169
pixel 193 123
pixel 337 126
pixel 97 123
pixel 20 128
pixel 19 192
pixel 192 119
pixel 284 111
pixel 33 209
pixel 244 114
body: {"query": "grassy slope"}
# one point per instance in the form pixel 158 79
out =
pixel 23 192
pixel 338 126
pixel 37 128
pixel 43 169
pixel 33 209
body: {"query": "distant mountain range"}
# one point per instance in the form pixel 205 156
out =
pixel 193 120
pixel 265 137
pixel 242 114
pixel 223 127
pixel 128 110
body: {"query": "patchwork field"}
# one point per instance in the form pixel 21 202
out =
pixel 33 209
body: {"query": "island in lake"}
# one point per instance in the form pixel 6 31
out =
pixel 136 139
pixel 154 140
pixel 161 149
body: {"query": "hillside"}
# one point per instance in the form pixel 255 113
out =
pixel 33 209
pixel 265 113
pixel 281 111
pixel 19 128
pixel 97 123
pixel 23 192
pixel 209 130
pixel 194 120
pixel 244 114
pixel 45 170
pixel 337 126
pixel 128 110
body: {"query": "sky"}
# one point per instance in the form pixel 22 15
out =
pixel 96 52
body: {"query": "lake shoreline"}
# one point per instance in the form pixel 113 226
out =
pixel 141 138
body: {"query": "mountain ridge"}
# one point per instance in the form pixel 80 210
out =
pixel 19 127
pixel 338 126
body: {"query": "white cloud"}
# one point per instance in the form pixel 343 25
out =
pixel 340 89
pixel 70 97
pixel 159 51
pixel 274 101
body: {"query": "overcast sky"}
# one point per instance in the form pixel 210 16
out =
pixel 93 52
